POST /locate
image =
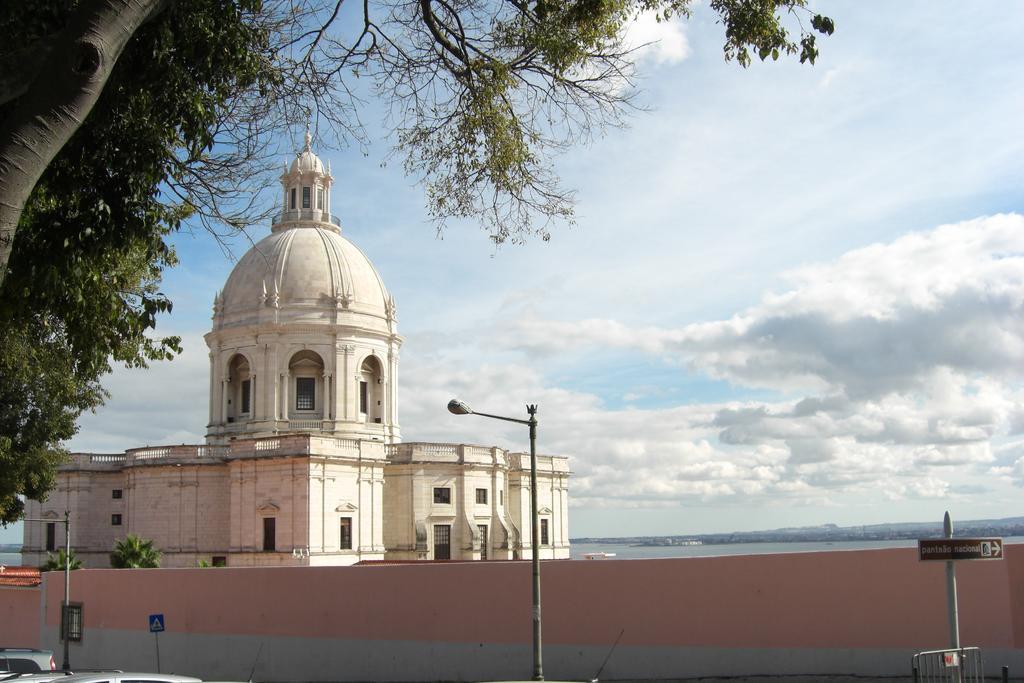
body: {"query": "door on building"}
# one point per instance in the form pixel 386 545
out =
pixel 442 541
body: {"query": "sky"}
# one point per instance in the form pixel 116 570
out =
pixel 794 295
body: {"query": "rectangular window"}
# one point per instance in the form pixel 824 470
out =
pixel 320 198
pixel 442 541
pixel 116 494
pixel 442 495
pixel 364 397
pixel 305 198
pixel 481 496
pixel 293 199
pixel 269 534
pixel 115 520
pixel 219 561
pixel 51 536
pixel 544 532
pixel 346 533
pixel 246 395
pixel 305 393
pixel 501 497
pixel 483 541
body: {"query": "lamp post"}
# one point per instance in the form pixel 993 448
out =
pixel 64 626
pixel 459 408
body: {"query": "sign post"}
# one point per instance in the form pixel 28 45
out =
pixel 156 625
pixel 951 606
pixel 950 550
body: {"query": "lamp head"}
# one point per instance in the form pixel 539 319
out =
pixel 457 407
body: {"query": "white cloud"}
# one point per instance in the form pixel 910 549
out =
pixel 661 42
pixel 829 76
pixel 912 351
pixel 885 318
pixel 165 404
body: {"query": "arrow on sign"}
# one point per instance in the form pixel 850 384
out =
pixel 997 549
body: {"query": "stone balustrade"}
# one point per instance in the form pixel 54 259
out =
pixel 292 444
pixel 315 444
pixel 416 451
pixel 311 425
pixel 545 463
pixel 299 215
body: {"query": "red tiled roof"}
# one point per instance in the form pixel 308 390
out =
pixel 20 577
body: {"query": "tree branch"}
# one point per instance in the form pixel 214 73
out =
pixel 54 105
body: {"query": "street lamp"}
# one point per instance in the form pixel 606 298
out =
pixel 457 407
pixel 64 616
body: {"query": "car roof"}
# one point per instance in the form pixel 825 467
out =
pixel 43 676
pixel 127 675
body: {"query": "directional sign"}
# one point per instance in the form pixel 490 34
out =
pixel 960 549
pixel 156 623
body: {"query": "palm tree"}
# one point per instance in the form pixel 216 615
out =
pixel 134 553
pixel 55 563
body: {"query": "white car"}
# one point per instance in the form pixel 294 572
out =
pixel 117 677
pixel 46 676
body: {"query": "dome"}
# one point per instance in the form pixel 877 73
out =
pixel 306 161
pixel 309 273
pixel 304 332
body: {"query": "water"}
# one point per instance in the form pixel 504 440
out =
pixel 626 552
pixel 10 559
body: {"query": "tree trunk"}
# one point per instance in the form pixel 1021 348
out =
pixel 59 99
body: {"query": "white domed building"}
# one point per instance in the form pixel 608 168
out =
pixel 303 462
pixel 304 333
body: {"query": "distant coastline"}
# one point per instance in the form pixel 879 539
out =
pixel 825 533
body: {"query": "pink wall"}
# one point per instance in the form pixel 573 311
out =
pixel 859 599
pixel 872 601
pixel 19 617
pixel 1015 580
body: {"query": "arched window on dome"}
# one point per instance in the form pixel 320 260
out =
pixel 240 394
pixel 371 391
pixel 306 370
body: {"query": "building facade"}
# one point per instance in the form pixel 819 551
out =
pixel 303 462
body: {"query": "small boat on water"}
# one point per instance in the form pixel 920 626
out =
pixel 597 556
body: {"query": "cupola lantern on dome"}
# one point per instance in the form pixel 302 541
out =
pixel 304 332
pixel 307 191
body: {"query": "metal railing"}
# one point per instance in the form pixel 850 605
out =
pixel 957 665
pixel 306 215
